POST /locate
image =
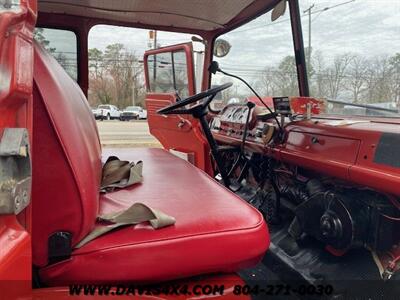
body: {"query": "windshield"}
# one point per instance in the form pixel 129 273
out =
pixel 353 55
pixel 104 106
pixel 352 51
pixel 261 53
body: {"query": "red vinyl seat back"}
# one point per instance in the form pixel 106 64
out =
pixel 66 156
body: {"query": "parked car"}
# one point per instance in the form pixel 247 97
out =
pixel 106 112
pixel 133 113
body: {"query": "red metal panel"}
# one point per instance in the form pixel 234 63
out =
pixel 327 154
pixel 340 161
pixel 323 147
pixel 15 259
pixel 16 65
pixel 181 133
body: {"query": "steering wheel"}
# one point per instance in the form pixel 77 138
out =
pixel 209 94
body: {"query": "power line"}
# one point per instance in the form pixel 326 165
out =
pixel 316 17
pixel 334 6
pixel 288 19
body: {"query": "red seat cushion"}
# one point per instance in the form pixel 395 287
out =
pixel 215 230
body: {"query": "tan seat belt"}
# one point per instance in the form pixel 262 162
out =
pixel 120 174
pixel 135 214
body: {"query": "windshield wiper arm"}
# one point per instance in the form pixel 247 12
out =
pixel 395 111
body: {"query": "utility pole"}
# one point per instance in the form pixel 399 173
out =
pixel 308 10
pixel 134 91
pixel 153 35
pixel 155 40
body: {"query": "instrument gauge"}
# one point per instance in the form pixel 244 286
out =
pixel 237 114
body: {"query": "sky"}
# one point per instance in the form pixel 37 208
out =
pixel 366 27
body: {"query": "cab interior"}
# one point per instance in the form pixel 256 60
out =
pixel 255 192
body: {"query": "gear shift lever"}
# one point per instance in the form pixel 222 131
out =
pixel 250 106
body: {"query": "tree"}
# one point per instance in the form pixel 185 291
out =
pixel 378 80
pixel 318 83
pixel 267 82
pixel 136 79
pixel 286 77
pixel 38 36
pixel 96 63
pixel 336 74
pixel 100 84
pixel 356 79
pixel 114 64
pixel 116 76
pixel 394 63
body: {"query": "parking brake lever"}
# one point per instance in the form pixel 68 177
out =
pixel 250 106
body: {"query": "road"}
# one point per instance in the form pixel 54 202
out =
pixel 126 134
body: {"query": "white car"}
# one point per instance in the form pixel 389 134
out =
pixel 106 112
pixel 134 113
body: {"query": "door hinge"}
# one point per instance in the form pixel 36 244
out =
pixel 15 171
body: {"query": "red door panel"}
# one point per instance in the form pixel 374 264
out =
pixel 16 69
pixel 178 132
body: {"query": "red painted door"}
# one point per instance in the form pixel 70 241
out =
pixel 169 75
pixel 17 19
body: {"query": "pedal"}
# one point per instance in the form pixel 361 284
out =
pixel 218 177
pixel 235 186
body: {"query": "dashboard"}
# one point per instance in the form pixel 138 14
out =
pixel 235 114
pixel 360 151
pixel 231 123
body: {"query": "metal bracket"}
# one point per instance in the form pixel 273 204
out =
pixel 15 171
